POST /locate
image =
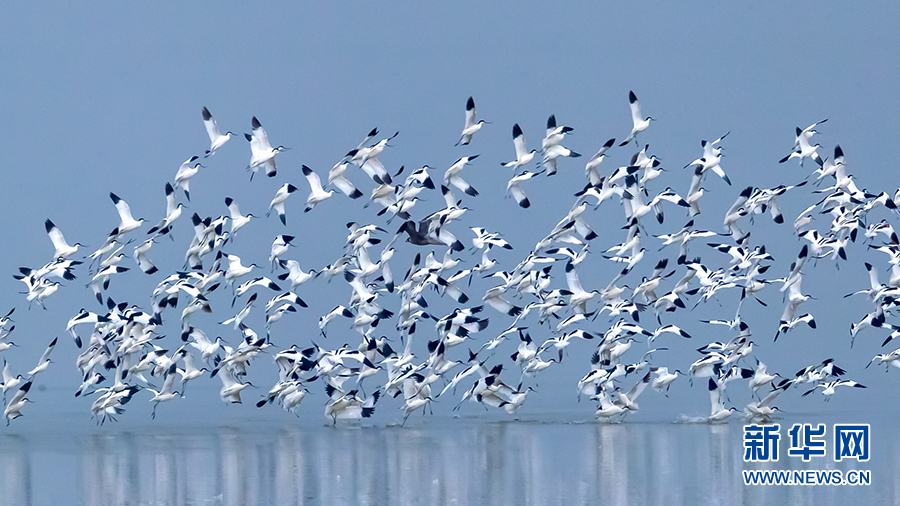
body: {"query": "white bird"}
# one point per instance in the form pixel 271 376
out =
pixel 100 280
pixel 712 156
pixel 242 314
pixel 451 177
pixel 336 178
pixel 640 123
pixel 761 376
pixel 231 387
pixel 202 343
pixel 522 156
pixel 278 202
pixel 316 193
pixel 237 219
pixel 44 361
pixel 143 261
pixel 591 167
pixel 61 247
pixel 471 125
pixel 127 223
pixel 295 274
pixel 10 381
pixel 552 153
pixel 366 158
pixel 15 405
pixel 664 378
pixel 262 154
pixel 551 147
pixel 717 399
pixel 516 191
pixel 190 371
pixel 279 247
pixel 167 392
pixel 216 139
pixel 828 388
pixel 173 212
pixel 185 172
pixel 261 281
pixel 334 313
pixel 804 149
pixel 235 269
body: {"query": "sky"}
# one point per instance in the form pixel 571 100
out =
pixel 106 97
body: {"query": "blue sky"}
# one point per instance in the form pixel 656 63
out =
pixel 107 97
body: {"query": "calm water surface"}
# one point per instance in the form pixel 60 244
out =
pixel 544 461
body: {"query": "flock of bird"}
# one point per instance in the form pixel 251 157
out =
pixel 404 348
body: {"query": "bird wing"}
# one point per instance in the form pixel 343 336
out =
pixel 211 129
pixel 470 113
pixel 636 117
pixel 259 133
pixel 59 242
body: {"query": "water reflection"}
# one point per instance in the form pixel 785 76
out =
pixel 458 462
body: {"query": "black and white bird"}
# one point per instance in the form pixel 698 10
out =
pixel 60 246
pixel 471 126
pixel 278 201
pixel 127 223
pixel 640 123
pixel 216 139
pixel 522 156
pixel 317 195
pixel 262 154
pixel 186 171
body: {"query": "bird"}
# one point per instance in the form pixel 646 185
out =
pixel 336 178
pixel 420 236
pixel 173 212
pixel 127 223
pixel 262 154
pixel 513 188
pixel 451 175
pixel 238 220
pixel 235 268
pixel 186 171
pixel 522 156
pixel 278 201
pixel 316 193
pixel 14 407
pixel 216 139
pixel 718 412
pixel 100 281
pixel 828 387
pixel 295 273
pixel 279 247
pixel 141 258
pixel 167 392
pixel 231 387
pixel 640 123
pixel 60 246
pixel 43 362
pixel 471 126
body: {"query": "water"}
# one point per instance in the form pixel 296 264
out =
pixel 435 461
